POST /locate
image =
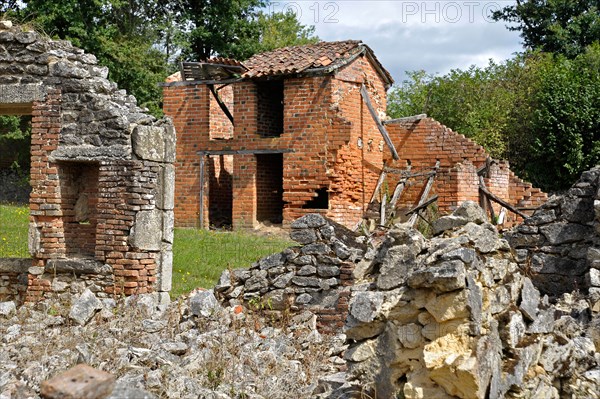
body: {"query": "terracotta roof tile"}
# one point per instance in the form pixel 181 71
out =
pixel 296 59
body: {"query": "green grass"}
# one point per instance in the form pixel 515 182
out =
pixel 200 256
pixel 14 229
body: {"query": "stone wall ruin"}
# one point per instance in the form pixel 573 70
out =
pixel 458 315
pixel 101 206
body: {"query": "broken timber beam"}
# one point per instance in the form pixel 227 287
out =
pixel 382 130
pixel 487 204
pixel 503 203
pixel 423 205
pixel 220 102
pixel 414 216
pixel 378 186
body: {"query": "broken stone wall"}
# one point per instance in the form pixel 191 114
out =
pixel 559 244
pixel 315 276
pixel 455 317
pixel 100 167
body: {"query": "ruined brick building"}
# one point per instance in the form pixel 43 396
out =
pixel 299 130
pixel 101 205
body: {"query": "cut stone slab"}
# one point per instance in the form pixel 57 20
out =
pixel 146 234
pixel 85 307
pixel 79 382
pixel 204 303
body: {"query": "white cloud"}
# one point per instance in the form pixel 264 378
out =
pixel 436 36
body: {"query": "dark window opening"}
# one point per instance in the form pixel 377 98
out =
pixel 321 201
pixel 269 108
pixel 220 191
pixel 269 188
pixel 79 203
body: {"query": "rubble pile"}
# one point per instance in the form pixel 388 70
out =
pixel 455 317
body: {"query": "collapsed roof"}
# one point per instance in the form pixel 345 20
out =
pixel 311 59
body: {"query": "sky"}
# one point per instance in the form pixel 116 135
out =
pixel 432 35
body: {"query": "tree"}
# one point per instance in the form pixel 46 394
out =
pixel 566 120
pixel 225 28
pixel 556 26
pixel 283 29
pixel 236 28
pixel 121 34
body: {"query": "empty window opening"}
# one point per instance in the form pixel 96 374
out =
pixel 15 158
pixel 269 188
pixel 220 191
pixel 321 201
pixel 15 148
pixel 269 108
pixel 79 205
pixel 221 127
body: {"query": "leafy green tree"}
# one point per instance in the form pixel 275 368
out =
pixel 225 28
pixel 15 140
pixel 556 26
pixel 283 29
pixel 411 97
pixel 566 120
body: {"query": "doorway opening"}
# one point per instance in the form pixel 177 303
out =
pixel 269 188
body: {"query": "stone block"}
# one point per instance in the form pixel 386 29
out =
pixel 22 93
pixel 564 233
pixel 165 197
pixel 311 220
pixel 146 234
pixel 168 226
pixel 447 223
pixel 7 308
pixel 165 270
pixel 204 303
pixel 472 212
pixel 170 138
pixel 149 143
pixel 79 382
pixel 84 307
pixel 77 266
pixel 303 236
pixel 530 299
pixel 593 277
pixel 447 276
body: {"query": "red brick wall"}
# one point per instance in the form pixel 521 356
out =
pixel 323 120
pixel 188 106
pixel 423 142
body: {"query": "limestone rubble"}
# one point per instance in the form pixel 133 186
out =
pixel 455 317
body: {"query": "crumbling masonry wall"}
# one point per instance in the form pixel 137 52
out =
pixel 101 206
pixel 423 141
pixel 335 145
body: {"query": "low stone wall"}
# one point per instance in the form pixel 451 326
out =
pixel 559 245
pixel 454 317
pixel 315 276
pixel 13 277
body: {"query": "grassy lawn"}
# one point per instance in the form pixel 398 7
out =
pixel 14 228
pixel 199 256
